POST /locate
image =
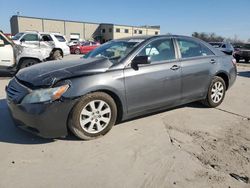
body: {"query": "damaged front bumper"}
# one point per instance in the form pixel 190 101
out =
pixel 48 120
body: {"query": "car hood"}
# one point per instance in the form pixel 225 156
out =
pixel 48 73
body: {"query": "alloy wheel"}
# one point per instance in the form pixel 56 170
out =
pixel 95 116
pixel 217 92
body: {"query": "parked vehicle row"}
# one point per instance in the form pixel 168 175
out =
pixel 29 48
pixel 242 52
pixel 225 47
pixel 119 80
pixel 239 51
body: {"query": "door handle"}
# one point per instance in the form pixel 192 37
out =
pixel 175 67
pixel 212 61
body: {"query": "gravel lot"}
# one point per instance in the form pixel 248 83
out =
pixel 189 146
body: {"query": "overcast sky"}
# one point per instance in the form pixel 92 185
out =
pixel 224 17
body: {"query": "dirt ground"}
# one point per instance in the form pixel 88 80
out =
pixel 189 146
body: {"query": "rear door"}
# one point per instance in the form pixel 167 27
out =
pixel 156 84
pixel 198 63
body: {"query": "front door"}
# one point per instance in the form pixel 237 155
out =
pixel 156 84
pixel 30 40
pixel 6 53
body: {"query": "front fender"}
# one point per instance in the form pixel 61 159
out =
pixel 111 82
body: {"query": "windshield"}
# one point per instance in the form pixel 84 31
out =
pixel 114 50
pixel 17 36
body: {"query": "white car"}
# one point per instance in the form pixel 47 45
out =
pixel 14 57
pixel 32 39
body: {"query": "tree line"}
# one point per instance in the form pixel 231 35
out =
pixel 212 37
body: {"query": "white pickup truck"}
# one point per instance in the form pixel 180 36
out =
pixel 14 57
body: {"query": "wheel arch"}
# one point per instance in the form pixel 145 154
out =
pixel 54 49
pixel 118 102
pixel 24 58
pixel 225 77
pixel 117 99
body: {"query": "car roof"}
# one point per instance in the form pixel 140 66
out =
pixel 46 33
pixel 144 37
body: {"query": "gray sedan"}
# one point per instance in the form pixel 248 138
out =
pixel 119 80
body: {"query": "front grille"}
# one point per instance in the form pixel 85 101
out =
pixel 16 91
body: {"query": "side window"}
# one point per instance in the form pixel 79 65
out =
pixel 190 48
pixel 46 38
pixel 206 51
pixel 4 40
pixel 159 50
pixel 30 37
pixel 223 46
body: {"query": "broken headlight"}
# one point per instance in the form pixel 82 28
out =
pixel 44 95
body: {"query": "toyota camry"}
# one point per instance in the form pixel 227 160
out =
pixel 117 81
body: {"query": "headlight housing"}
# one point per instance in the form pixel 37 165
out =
pixel 44 95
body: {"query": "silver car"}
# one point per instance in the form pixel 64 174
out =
pixel 117 81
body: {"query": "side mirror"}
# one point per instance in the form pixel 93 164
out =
pixel 1 42
pixel 140 60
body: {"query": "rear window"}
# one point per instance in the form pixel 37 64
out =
pixel 190 48
pixel 60 38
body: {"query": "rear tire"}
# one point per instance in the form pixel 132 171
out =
pixel 93 116
pixel 246 60
pixel 27 63
pixel 57 55
pixel 216 93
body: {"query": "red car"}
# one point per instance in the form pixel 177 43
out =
pixel 83 47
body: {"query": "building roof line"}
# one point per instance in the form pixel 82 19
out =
pixel 144 27
pixel 54 19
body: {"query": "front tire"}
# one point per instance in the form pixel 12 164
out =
pixel 27 63
pixel 216 92
pixel 93 116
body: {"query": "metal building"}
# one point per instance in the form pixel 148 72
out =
pixel 79 30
